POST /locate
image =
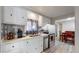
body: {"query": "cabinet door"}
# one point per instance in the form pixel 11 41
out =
pixel 8 48
pixel 30 46
pixel 26 46
pixel 20 16
pixel 37 44
pixel 8 15
pixel 46 21
pixel 23 46
pixel 45 43
pixel 14 15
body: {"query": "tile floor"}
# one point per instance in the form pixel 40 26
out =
pixel 60 47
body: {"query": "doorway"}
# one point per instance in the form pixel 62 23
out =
pixel 65 30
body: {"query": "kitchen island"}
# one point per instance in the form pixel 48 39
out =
pixel 23 45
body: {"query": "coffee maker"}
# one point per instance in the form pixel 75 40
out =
pixel 19 33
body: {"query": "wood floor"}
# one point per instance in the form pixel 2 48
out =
pixel 60 47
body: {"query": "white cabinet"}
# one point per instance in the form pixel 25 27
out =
pixel 33 45
pixel 0 20
pixel 46 21
pixel 40 21
pixel 20 16
pixel 14 15
pixel 23 46
pixel 8 15
pixel 14 47
pixel 45 43
pixel 38 44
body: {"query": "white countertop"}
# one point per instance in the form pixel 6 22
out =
pixel 23 38
pixel 44 34
pixel 17 39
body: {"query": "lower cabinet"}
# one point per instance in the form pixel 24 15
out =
pixel 34 45
pixel 45 43
pixel 6 48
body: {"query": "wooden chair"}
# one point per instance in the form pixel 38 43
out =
pixel 68 36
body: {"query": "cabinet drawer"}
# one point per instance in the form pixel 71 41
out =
pixel 10 47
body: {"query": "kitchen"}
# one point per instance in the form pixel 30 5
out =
pixel 24 31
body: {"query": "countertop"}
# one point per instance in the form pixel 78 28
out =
pixel 23 38
pixel 16 39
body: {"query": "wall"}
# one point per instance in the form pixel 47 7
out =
pixel 68 25
pixel 77 29
pixel 63 25
pixel 61 17
pixel 0 20
pixel 52 21
pixel 45 21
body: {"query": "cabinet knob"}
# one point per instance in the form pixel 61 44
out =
pixel 10 14
pixel 13 46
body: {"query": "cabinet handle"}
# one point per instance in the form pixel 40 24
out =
pixel 10 14
pixel 13 46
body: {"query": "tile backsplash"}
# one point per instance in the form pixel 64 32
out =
pixel 6 28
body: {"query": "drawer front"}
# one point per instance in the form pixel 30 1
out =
pixel 10 47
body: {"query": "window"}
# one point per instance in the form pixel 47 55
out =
pixel 32 26
pixel 29 26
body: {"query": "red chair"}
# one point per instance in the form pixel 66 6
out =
pixel 70 36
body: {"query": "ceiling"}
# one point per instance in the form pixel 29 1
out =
pixel 51 11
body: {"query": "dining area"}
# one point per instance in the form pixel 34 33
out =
pixel 65 30
pixel 68 36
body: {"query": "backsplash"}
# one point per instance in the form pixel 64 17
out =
pixel 7 28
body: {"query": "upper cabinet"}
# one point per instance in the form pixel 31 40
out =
pixel 40 20
pixel 46 21
pixel 31 15
pixel 19 16
pixel 8 15
pixel 14 15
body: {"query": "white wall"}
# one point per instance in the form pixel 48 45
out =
pixel 62 25
pixel 68 25
pixel 0 21
pixel 45 21
pixel 40 20
pixel 77 29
